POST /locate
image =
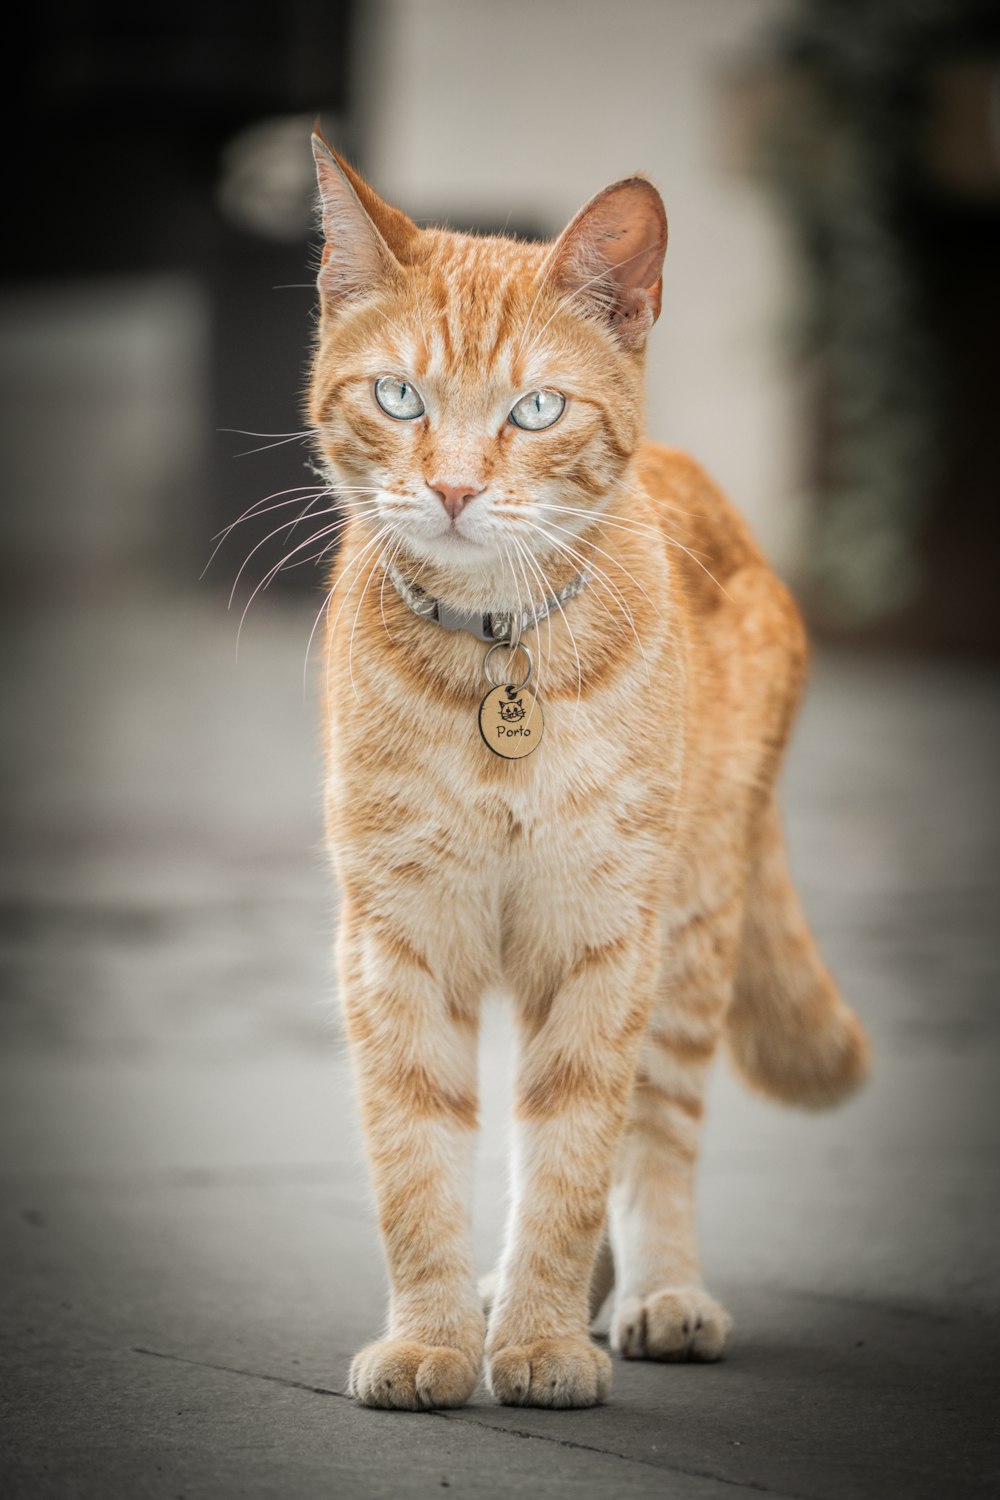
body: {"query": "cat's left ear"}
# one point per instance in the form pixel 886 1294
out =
pixel 610 258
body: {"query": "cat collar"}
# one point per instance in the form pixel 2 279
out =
pixel 495 625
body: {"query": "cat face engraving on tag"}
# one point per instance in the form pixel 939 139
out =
pixel 510 721
pixel 513 709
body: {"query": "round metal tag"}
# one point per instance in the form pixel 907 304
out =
pixel 510 721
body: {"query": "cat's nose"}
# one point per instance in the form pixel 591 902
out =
pixel 455 497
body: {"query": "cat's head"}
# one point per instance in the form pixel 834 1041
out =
pixel 480 397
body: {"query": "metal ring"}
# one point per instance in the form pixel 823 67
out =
pixel 511 646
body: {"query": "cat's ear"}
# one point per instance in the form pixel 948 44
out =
pixel 610 258
pixel 367 241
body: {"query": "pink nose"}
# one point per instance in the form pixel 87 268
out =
pixel 455 497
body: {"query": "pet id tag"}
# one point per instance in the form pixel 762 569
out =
pixel 510 717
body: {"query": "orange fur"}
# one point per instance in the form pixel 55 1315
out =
pixel 626 879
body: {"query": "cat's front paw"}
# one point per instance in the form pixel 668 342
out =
pixel 411 1376
pixel 568 1371
pixel 674 1323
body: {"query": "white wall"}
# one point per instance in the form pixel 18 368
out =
pixel 476 108
pixel 102 418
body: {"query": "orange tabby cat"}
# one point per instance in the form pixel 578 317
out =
pixel 478 405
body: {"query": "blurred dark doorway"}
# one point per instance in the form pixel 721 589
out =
pixel 177 146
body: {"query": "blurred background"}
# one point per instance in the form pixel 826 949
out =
pixel 832 316
pixel 178 1154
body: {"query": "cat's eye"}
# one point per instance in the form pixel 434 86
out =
pixel 398 398
pixel 537 410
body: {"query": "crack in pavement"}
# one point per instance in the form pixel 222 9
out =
pixel 208 1364
pixel 466 1419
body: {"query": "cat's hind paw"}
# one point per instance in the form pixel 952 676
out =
pixel 487 1288
pixel 409 1376
pixel 568 1371
pixel 675 1323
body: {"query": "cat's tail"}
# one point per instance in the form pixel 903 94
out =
pixel 789 1032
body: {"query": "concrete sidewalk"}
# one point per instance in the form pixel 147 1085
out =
pixel 189 1257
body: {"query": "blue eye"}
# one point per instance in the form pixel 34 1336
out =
pixel 537 410
pixel 398 398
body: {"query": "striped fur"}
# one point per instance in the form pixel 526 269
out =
pixel 626 880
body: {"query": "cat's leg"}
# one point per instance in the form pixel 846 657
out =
pixel 662 1310
pixel 602 1279
pixel 414 1053
pixel 577 1061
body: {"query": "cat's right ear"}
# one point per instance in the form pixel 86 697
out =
pixel 366 239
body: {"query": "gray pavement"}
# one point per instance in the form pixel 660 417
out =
pixel 188 1255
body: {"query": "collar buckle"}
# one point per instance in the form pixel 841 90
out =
pixel 487 627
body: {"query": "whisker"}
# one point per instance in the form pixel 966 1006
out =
pixel 539 574
pixel 673 542
pixel 638 528
pixel 386 531
pixel 253 514
pixel 586 540
pixel 304 562
pixel 249 432
pixel 273 572
pixel 530 564
pixel 312 635
pixel 263 542
pixel 353 564
pixel 381 593
pixel 292 437
pixel 659 503
pixel 569 628
pixel 658 506
pixel 648 528
pixel 297 492
pixel 517 605
pixel 330 531
pixel 587 563
pixel 659 531
pixel 546 590
pixel 324 609
pixel 517 593
pixel 356 563
pixel 614 593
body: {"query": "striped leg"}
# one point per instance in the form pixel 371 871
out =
pixel 577 1065
pixel 415 1061
pixel 661 1308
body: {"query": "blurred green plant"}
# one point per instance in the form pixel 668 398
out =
pixel 845 148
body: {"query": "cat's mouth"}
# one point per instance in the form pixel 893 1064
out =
pixel 453 538
pixel 450 545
